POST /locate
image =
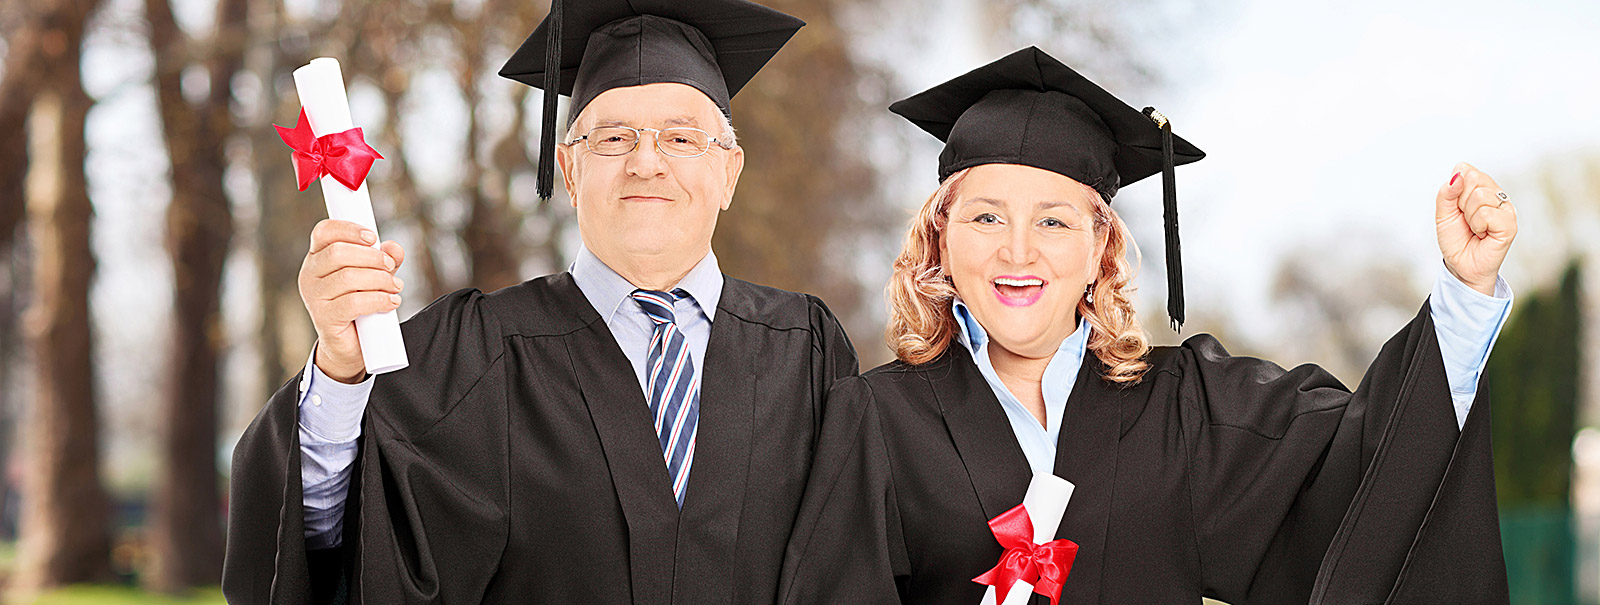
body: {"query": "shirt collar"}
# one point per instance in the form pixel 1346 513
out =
pixel 975 338
pixel 606 289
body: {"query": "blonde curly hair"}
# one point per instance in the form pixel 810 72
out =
pixel 921 324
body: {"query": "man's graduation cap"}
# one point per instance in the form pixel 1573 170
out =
pixel 1028 108
pixel 587 47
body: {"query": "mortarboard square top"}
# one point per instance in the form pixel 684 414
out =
pixel 715 46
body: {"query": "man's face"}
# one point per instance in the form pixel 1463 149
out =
pixel 646 207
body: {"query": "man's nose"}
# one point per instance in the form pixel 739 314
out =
pixel 646 161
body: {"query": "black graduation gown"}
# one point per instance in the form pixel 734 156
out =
pixel 1219 476
pixel 515 461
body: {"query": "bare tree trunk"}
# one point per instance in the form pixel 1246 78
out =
pixel 13 293
pixel 17 88
pixel 186 517
pixel 24 52
pixel 286 215
pixel 65 533
pixel 385 51
pixel 407 201
pixel 511 156
pixel 489 235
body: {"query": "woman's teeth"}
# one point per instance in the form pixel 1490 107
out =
pixel 1018 283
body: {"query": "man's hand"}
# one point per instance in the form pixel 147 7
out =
pixel 1475 227
pixel 344 277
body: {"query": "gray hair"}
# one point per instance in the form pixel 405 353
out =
pixel 728 138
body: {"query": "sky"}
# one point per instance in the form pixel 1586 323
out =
pixel 1328 127
pixel 1334 124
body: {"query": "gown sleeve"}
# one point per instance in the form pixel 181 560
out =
pixel 453 345
pixel 833 357
pixel 1302 489
pixel 848 508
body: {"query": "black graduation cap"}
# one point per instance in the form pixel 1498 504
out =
pixel 587 47
pixel 1028 108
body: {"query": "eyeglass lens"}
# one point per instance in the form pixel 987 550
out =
pixel 680 142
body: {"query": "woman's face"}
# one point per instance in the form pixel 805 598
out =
pixel 1020 248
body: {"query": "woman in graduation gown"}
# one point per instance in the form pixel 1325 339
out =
pixel 1195 472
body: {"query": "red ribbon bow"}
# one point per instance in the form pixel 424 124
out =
pixel 345 155
pixel 1045 566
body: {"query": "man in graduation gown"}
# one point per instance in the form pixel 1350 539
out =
pixel 638 429
pixel 1215 475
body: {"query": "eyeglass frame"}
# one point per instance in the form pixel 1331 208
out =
pixel 638 135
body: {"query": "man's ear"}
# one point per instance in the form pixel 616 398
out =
pixel 568 165
pixel 735 165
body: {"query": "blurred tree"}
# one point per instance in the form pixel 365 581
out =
pixel 1337 326
pixel 1569 181
pixel 540 224
pixel 1095 36
pixel 19 27
pixel 194 84
pixel 285 216
pixel 803 180
pixel 65 518
pixel 1533 379
pixel 26 44
pixel 15 391
pixel 389 50
pixel 490 234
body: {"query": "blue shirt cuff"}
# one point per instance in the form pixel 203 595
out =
pixel 331 411
pixel 1467 323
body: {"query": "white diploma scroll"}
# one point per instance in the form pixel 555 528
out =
pixel 1046 501
pixel 321 88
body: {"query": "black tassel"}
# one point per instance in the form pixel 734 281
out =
pixel 1169 199
pixel 552 93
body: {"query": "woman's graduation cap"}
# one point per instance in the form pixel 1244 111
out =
pixel 590 46
pixel 1028 108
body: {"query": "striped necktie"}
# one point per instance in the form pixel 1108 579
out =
pixel 674 389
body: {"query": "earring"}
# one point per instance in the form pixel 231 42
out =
pixel 1089 293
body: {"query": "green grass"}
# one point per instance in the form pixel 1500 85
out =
pixel 123 595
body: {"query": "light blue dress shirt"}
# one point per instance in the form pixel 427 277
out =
pixel 1038 442
pixel 331 411
pixel 1466 321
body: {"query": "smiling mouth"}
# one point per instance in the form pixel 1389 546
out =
pixel 1018 291
pixel 646 198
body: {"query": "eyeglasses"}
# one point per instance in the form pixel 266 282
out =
pixel 680 142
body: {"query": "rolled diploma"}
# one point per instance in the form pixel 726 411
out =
pixel 321 88
pixel 1046 501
